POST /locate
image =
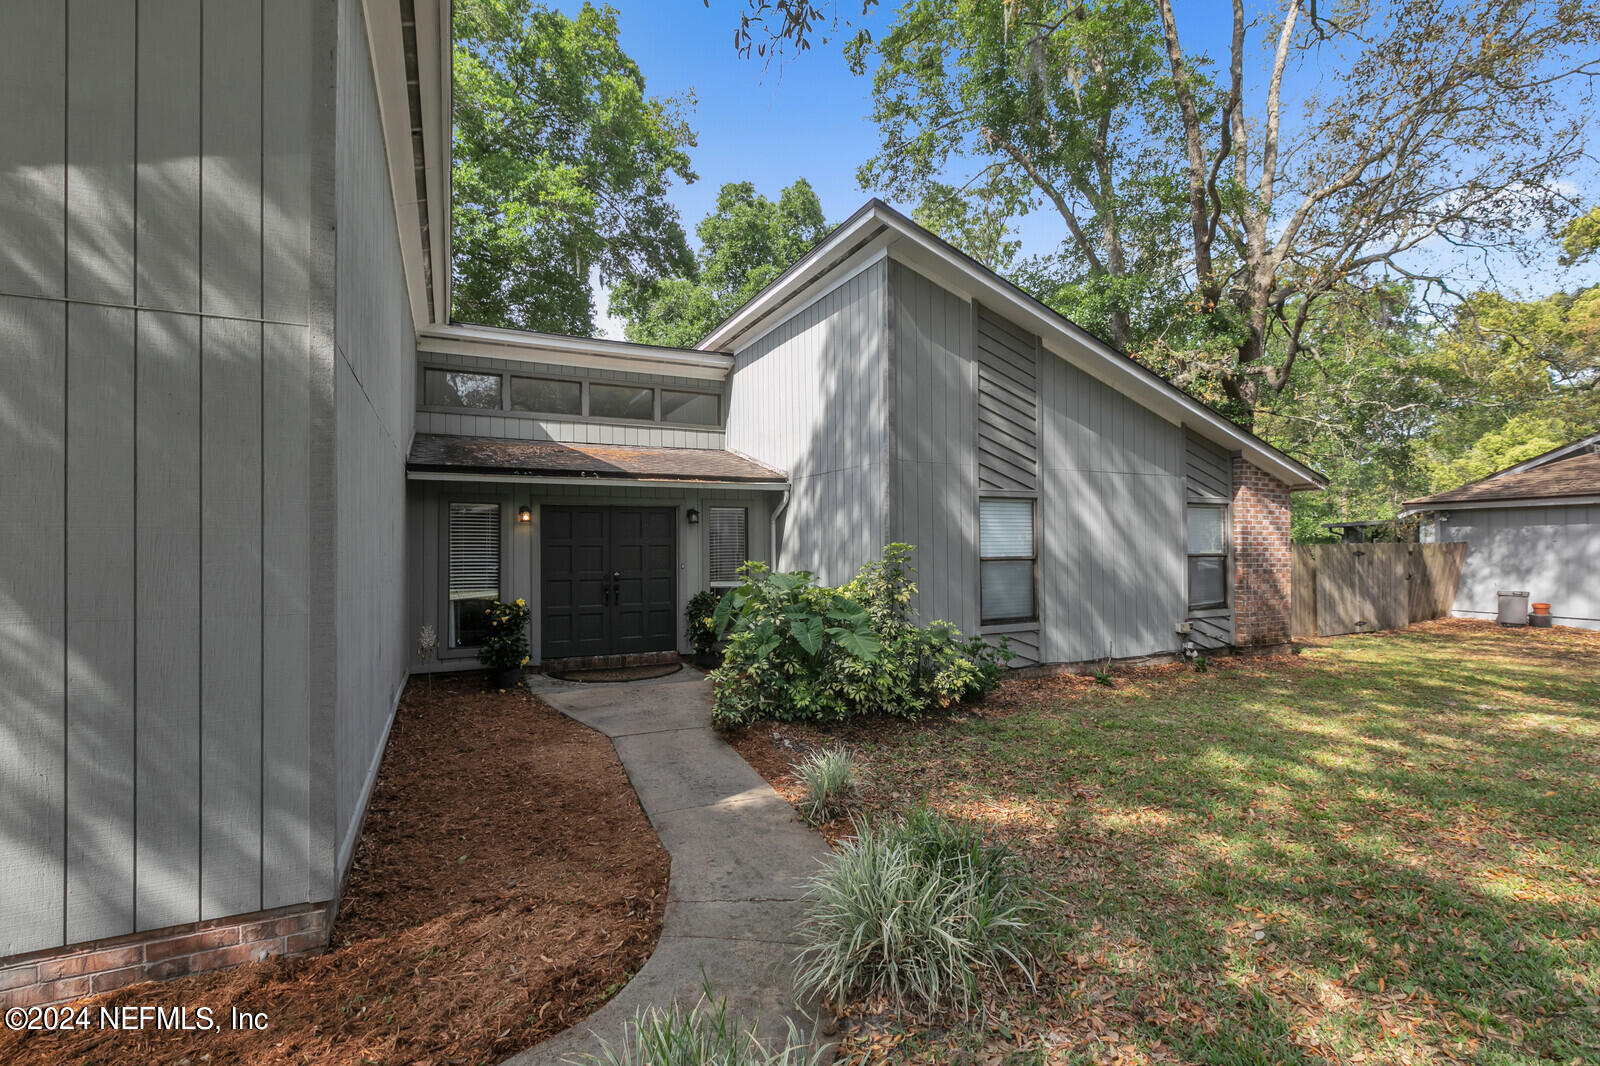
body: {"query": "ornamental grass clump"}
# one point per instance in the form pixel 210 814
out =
pixel 701 1036
pixel 915 914
pixel 829 779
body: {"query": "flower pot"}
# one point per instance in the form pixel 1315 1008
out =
pixel 509 677
pixel 706 660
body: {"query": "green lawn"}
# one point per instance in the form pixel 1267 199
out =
pixel 1383 850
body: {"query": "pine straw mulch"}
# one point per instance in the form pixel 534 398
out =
pixel 507 883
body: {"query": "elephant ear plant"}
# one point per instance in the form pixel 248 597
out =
pixel 505 649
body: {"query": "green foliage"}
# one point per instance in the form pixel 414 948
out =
pixel 701 1036
pixel 700 624
pixel 1055 108
pixel 1580 238
pixel 798 651
pixel 829 778
pixel 745 243
pixel 916 912
pixel 506 645
pixel 562 165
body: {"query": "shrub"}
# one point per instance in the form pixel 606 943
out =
pixel 799 651
pixel 506 645
pixel 699 620
pixel 829 777
pixel 915 912
pixel 701 1036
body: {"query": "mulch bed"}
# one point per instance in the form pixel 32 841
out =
pixel 507 884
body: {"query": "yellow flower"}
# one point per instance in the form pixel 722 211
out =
pixel 521 602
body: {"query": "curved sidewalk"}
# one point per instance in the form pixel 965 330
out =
pixel 739 856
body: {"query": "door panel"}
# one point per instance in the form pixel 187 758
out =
pixel 609 581
pixel 644 552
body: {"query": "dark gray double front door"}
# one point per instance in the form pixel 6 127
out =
pixel 609 582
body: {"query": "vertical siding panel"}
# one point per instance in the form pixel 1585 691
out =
pixel 168 620
pixel 32 656
pixel 286 160
pixel 230 178
pixel 231 619
pixel 100 151
pixel 167 221
pixel 286 618
pixel 100 621
pixel 33 182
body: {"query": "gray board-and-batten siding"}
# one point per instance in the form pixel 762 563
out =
pixel 808 398
pixel 170 485
pixel 1109 476
pixel 1553 553
pixel 943 389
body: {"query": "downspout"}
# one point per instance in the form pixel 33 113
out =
pixel 772 527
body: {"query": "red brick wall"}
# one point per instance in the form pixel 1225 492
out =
pixel 45 977
pixel 1260 557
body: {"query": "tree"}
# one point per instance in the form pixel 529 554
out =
pixel 562 165
pixel 1581 237
pixel 1055 108
pixel 745 243
pixel 1430 124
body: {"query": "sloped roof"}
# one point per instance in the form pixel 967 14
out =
pixel 877 229
pixel 437 453
pixel 1576 475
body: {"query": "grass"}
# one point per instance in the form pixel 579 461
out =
pixel 913 912
pixel 1383 850
pixel 704 1035
pixel 828 776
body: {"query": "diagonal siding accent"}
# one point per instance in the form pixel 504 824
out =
pixel 1008 406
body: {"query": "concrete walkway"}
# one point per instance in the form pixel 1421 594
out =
pixel 739 855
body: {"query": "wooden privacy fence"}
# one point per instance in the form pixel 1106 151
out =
pixel 1362 588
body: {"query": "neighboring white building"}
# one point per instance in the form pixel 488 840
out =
pixel 1534 526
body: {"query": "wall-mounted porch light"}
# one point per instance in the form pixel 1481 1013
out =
pixel 693 516
pixel 525 515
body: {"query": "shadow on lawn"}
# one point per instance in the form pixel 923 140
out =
pixel 1410 815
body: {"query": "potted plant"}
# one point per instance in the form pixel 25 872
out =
pixel 701 627
pixel 505 649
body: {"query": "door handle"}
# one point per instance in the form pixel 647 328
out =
pixel 616 587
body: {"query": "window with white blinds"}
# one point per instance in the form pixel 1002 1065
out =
pixel 1007 555
pixel 474 569
pixel 728 533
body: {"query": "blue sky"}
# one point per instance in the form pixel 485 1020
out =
pixel 810 117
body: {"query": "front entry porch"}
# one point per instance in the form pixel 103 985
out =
pixel 606 562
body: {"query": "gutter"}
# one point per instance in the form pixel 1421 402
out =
pixel 772 525
pixel 535 479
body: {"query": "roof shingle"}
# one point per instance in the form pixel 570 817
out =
pixel 439 453
pixel 1575 475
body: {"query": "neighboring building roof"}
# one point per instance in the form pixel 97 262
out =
pixel 1570 478
pixel 1589 443
pixel 878 230
pixel 439 454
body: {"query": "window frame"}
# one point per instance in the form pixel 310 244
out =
pixel 655 402
pixel 502 391
pixel 447 648
pixel 1226 555
pixel 505 410
pixel 1033 503
pixel 744 512
pixel 661 414
pixel 583 395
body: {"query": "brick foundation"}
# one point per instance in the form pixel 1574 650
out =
pixel 1260 557
pixel 62 974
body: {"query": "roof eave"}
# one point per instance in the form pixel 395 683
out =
pixel 911 244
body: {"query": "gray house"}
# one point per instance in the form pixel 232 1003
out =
pixel 1532 527
pixel 245 457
